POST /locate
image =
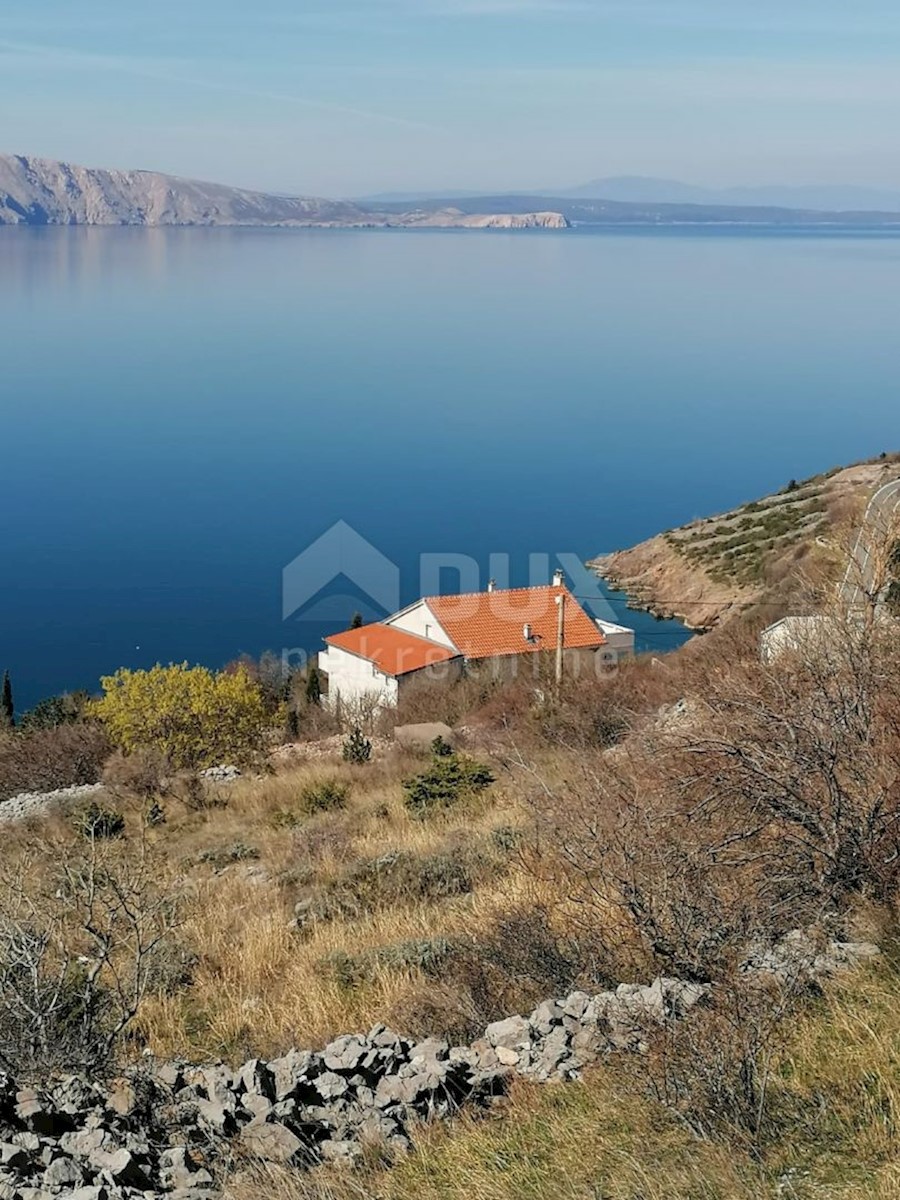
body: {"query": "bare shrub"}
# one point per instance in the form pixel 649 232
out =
pixel 196 793
pixel 450 702
pixel 438 1009
pixel 717 1069
pixel 361 712
pixel 78 948
pixel 141 773
pixel 316 722
pixel 802 760
pixel 95 820
pixel 43 760
pixel 510 965
pixel 516 962
pixel 772 806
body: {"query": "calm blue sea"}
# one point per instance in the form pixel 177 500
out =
pixel 184 411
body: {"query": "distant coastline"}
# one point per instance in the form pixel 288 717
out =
pixel 46 192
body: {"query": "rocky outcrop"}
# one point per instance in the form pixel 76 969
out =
pixel 223 774
pixel 453 218
pixel 714 568
pixel 37 191
pixel 663 582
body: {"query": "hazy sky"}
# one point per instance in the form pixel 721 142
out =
pixel 346 97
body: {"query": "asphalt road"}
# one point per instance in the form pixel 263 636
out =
pixel 882 518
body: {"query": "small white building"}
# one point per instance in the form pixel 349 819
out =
pixel 619 639
pixel 823 635
pixel 442 637
pixel 792 635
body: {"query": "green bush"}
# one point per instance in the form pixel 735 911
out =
pixel 324 795
pixel 399 877
pixel 351 970
pixel 65 709
pixel 317 796
pixel 357 747
pixel 449 779
pixel 223 856
pixel 99 821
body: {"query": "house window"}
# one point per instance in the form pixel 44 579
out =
pixel 428 631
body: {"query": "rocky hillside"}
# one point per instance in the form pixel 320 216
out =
pixel 454 218
pixel 717 567
pixel 35 191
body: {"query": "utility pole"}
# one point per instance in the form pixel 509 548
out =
pixel 560 635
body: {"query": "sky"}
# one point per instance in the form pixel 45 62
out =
pixel 354 97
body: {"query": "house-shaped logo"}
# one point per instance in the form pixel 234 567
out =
pixel 340 552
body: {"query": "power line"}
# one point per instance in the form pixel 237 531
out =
pixel 669 600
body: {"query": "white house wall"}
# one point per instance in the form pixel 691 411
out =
pixel 618 638
pixel 421 621
pixel 352 678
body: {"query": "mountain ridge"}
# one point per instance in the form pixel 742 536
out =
pixel 37 191
pixel 641 189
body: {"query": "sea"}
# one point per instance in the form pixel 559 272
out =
pixel 217 442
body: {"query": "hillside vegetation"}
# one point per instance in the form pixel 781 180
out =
pixel 762 556
pixel 687 820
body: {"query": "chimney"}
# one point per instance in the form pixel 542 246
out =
pixel 492 583
pixel 526 633
pixel 558 577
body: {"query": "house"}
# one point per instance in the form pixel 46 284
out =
pixel 792 635
pixel 444 637
pixel 820 635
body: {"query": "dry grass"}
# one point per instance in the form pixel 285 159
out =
pixel 834 1135
pixel 258 986
pixel 839 1095
pixel 243 981
pixel 562 1142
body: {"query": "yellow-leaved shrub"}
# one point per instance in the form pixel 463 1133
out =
pixel 193 716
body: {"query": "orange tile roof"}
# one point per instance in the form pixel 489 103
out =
pixel 393 651
pixel 483 624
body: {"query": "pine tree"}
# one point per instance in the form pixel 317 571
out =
pixel 313 686
pixel 357 747
pixel 7 707
pixel 291 724
pixel 356 621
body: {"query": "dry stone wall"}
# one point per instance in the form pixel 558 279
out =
pixel 168 1131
